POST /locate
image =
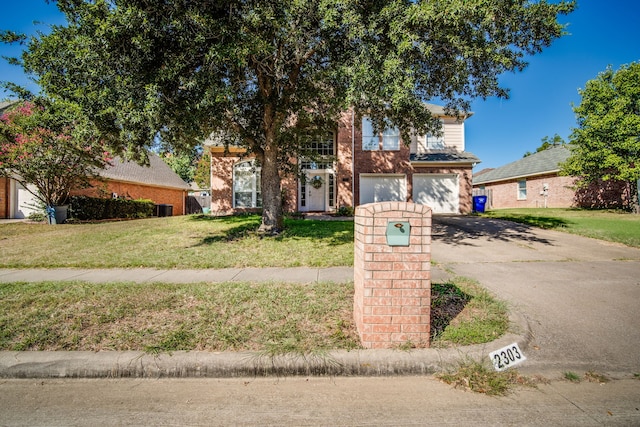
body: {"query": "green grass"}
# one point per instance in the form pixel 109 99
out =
pixel 196 241
pixel 463 313
pixel 572 376
pixel 613 226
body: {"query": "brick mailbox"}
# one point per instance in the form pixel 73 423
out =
pixel 392 274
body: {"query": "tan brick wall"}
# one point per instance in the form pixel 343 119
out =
pixel 222 183
pixel 560 195
pixel 392 300
pixel 168 196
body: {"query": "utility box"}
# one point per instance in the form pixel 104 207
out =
pixel 398 233
pixel 163 210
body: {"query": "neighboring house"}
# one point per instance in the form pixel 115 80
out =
pixel 130 180
pixel 355 166
pixel 157 182
pixel 533 181
pixel 124 179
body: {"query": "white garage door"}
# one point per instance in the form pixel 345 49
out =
pixel 441 192
pixel 382 188
pixel 25 202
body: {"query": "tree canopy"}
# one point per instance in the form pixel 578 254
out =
pixel 547 143
pixel 267 74
pixel 50 146
pixel 606 143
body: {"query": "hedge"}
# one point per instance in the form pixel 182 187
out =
pixel 91 208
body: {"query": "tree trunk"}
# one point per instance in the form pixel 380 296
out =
pixel 272 215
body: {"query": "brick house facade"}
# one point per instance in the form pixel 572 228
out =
pixel 156 182
pixel 531 182
pixel 356 167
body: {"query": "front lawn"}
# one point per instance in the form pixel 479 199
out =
pixel 613 226
pixel 269 318
pixel 196 241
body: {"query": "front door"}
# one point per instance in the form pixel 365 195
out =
pixel 313 192
pixel 316 191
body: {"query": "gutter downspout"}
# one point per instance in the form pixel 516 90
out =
pixel 353 158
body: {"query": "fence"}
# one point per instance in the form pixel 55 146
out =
pixel 196 203
pixel 485 192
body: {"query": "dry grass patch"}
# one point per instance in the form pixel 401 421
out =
pixel 268 317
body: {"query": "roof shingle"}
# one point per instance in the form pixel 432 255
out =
pixel 538 163
pixel 158 173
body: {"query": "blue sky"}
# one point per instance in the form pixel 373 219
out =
pixel 602 33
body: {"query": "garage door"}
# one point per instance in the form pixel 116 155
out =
pixel 382 188
pixel 441 192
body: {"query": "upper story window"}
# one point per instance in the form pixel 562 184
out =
pixel 322 145
pixel 433 142
pixel 388 140
pixel 322 150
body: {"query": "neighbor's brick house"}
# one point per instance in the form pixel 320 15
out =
pixel 156 182
pixel 531 182
pixel 357 167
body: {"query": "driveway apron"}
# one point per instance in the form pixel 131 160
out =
pixel 579 295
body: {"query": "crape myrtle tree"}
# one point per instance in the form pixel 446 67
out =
pixel 50 148
pixel 270 74
pixel 606 143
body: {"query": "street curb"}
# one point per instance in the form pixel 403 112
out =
pixel 198 364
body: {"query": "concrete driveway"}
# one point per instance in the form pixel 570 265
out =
pixel 580 296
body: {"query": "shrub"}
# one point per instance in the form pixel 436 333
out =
pixel 91 208
pixel 345 211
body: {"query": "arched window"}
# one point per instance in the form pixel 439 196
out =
pixel 246 185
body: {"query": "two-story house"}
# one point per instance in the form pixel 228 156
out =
pixel 353 166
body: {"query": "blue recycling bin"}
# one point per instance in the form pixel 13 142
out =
pixel 479 203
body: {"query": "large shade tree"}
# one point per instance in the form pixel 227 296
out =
pixel 606 143
pixel 267 74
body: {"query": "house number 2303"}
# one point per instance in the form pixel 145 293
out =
pixel 507 357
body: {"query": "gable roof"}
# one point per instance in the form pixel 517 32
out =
pixel 158 173
pixel 542 162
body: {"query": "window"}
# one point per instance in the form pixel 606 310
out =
pixel 434 142
pixel 323 146
pixel 323 151
pixel 390 138
pixel 522 189
pixel 370 142
pixel 246 185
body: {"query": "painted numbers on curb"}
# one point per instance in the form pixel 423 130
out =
pixel 507 357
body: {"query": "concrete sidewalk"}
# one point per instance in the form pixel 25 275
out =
pixel 142 275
